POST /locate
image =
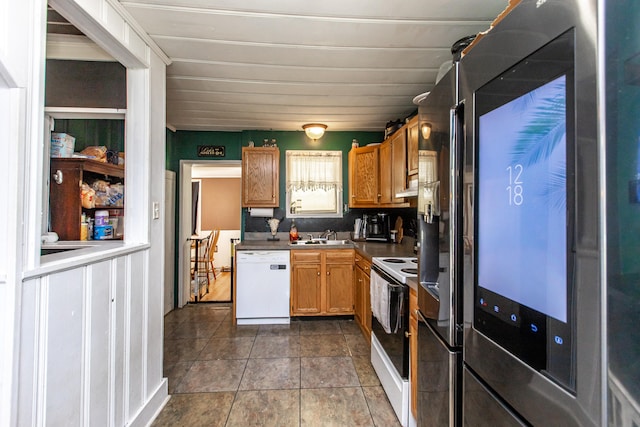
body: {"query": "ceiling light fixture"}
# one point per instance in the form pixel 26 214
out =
pixel 314 130
pixel 425 129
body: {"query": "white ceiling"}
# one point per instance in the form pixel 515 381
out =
pixel 277 64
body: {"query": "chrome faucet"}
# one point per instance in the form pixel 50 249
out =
pixel 327 234
pixel 310 236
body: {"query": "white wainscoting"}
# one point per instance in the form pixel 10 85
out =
pixel 86 348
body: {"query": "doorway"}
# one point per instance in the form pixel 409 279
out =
pixel 218 207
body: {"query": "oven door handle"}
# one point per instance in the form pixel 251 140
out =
pixel 396 287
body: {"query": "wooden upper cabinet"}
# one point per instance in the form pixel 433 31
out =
pixel 412 146
pixel 399 164
pixel 363 176
pixel 393 169
pixel 260 177
pixel 378 172
pixel 386 174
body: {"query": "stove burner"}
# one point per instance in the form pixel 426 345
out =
pixel 393 260
pixel 410 270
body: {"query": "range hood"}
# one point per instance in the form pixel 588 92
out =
pixel 409 192
pixel 412 191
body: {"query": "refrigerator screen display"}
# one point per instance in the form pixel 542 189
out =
pixel 522 205
pixel 524 210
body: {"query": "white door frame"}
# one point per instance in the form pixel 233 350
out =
pixel 184 207
pixel 169 240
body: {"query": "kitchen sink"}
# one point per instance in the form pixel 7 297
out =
pixel 336 242
pixel 320 242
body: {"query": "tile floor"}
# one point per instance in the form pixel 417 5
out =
pixel 308 373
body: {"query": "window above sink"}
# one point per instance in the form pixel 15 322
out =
pixel 314 183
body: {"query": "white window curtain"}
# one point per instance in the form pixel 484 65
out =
pixel 312 170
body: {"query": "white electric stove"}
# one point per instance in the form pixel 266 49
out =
pixel 399 268
pixel 390 346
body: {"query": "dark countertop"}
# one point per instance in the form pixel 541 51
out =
pixel 366 249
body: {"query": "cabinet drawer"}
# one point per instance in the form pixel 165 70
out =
pixel 306 256
pixel 363 263
pixel 341 256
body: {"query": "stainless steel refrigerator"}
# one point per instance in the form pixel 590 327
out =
pixel 440 249
pixel 533 307
pixel 621 78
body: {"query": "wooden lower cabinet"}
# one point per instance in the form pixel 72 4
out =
pixel 322 282
pixel 413 351
pixel 362 297
pixel 339 295
pixel 305 289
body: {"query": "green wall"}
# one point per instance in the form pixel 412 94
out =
pixel 90 132
pixel 183 145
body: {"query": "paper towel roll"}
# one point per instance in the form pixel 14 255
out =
pixel 261 212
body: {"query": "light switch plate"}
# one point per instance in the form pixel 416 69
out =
pixel 156 210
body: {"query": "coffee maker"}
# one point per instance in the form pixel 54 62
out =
pixel 377 227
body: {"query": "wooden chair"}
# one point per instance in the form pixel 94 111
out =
pixel 204 262
pixel 198 265
pixel 199 257
pixel 211 250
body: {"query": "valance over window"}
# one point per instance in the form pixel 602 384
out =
pixel 313 170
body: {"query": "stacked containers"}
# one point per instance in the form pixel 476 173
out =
pixel 62 145
pixel 102 229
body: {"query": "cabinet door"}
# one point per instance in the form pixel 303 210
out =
pixel 358 296
pixel 393 169
pixel 399 164
pixel 412 146
pixel 305 289
pixel 363 176
pixel 64 202
pixel 366 305
pixel 413 351
pixel 339 287
pixel 260 176
pixel 386 174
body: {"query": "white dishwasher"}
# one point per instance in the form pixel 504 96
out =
pixel 262 287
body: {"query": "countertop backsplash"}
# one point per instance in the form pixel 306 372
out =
pixel 257 225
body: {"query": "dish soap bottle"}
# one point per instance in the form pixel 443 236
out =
pixel 293 233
